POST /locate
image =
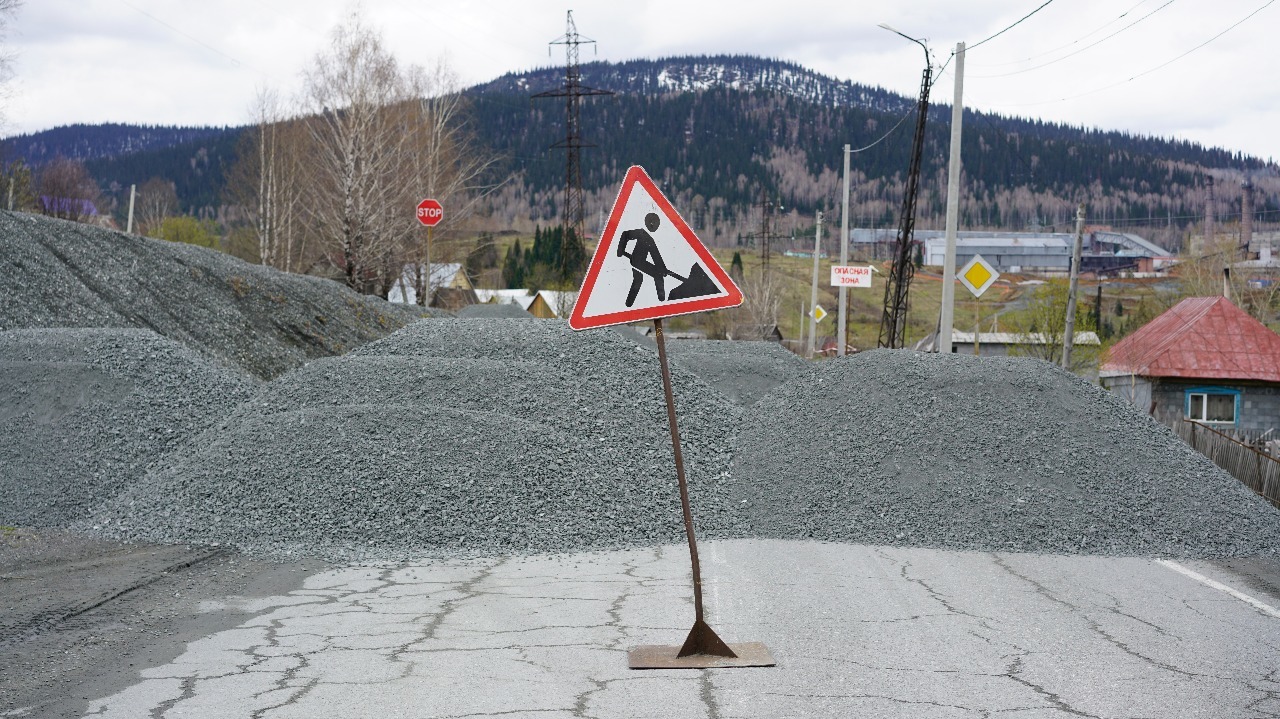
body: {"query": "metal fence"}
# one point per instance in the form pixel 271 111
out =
pixel 1257 470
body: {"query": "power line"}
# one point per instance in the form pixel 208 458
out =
pixel 1086 47
pixel 1080 39
pixel 1007 29
pixel 192 38
pixel 903 119
pixel 1144 73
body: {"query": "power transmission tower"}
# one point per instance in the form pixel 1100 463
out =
pixel 573 213
pixel 893 322
pixel 767 207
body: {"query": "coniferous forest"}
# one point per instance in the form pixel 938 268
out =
pixel 722 135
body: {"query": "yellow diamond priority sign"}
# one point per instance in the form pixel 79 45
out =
pixel 977 275
pixel 817 313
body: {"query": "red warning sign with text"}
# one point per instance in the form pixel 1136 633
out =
pixel 649 264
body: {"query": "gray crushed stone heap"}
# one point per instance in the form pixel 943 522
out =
pixel 742 371
pixel 451 435
pixel 258 319
pixel 991 453
pixel 508 310
pixel 83 412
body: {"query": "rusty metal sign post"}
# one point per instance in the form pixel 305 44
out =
pixel 703 648
pixel 626 282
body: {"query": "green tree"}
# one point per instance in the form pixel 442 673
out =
pixel 736 273
pixel 513 267
pixel 482 257
pixel 1042 327
pixel 189 230
pixel 19 186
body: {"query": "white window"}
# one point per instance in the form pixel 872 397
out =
pixel 1212 407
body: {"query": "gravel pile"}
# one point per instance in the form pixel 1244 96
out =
pixel 495 310
pixel 451 435
pixel 84 411
pixel 263 321
pixel 742 371
pixel 990 453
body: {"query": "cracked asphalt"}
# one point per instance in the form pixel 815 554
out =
pixel 857 631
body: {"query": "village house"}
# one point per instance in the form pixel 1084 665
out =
pixel 1205 360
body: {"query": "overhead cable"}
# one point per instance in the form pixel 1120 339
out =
pixel 1086 47
pixel 1007 29
pixel 1078 40
pixel 1144 73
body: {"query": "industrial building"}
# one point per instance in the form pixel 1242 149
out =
pixel 1047 253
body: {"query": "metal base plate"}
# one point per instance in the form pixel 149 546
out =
pixel 654 656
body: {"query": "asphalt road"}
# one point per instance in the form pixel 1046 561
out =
pixel 856 630
pixel 80 618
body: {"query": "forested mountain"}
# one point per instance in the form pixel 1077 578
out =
pixel 722 133
pixel 725 132
pixel 92 142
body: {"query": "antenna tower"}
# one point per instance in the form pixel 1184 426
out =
pixel 573 212
pixel 893 322
pixel 767 208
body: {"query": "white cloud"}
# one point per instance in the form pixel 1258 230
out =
pixel 200 63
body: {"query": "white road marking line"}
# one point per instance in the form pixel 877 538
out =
pixel 1257 604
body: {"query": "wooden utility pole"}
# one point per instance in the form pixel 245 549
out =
pixel 1068 337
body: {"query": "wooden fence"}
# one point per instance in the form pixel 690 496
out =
pixel 1257 470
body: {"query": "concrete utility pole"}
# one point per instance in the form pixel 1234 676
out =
pixel 813 294
pixel 133 194
pixel 953 211
pixel 1068 337
pixel 842 319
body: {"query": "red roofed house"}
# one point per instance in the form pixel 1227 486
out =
pixel 1204 359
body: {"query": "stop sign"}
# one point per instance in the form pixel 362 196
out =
pixel 430 212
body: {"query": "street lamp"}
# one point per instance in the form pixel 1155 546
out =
pixel 890 28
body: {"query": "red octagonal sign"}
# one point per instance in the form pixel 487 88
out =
pixel 430 212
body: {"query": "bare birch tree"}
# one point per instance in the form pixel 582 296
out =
pixel 8 8
pixel 270 182
pixel 357 152
pixel 339 174
pixel 157 200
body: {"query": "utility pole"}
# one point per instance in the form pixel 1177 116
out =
pixel 573 212
pixel 1069 336
pixel 953 211
pixel 133 193
pixel 813 294
pixel 842 319
pixel 893 322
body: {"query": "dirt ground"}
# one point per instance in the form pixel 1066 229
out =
pixel 80 617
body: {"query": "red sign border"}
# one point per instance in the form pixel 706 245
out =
pixel 425 200
pixel 636 175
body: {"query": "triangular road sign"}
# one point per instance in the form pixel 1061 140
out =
pixel 649 264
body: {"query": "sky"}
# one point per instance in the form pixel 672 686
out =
pixel 1140 66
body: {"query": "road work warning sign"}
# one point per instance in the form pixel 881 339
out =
pixel 649 264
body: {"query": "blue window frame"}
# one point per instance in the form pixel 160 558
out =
pixel 1214 405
